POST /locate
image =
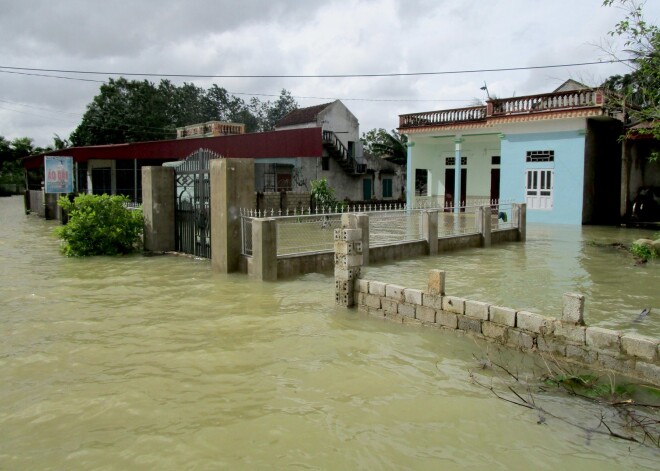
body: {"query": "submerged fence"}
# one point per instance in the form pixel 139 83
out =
pixel 310 230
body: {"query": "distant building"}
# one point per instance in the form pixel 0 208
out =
pixel 353 175
pixel 210 129
pixel 308 144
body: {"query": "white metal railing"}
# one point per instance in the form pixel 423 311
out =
pixel 503 217
pixel 313 230
pixel 389 227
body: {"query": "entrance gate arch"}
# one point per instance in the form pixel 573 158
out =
pixel 193 203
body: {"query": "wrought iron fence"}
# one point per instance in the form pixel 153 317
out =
pixel 246 235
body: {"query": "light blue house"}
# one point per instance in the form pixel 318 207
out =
pixel 558 152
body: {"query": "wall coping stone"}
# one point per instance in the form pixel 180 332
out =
pixel 453 304
pixel 477 309
pixel 502 315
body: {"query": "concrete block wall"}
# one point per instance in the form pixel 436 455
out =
pixel 564 338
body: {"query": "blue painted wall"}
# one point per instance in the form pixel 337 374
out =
pixel 568 173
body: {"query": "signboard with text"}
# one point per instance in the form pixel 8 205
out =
pixel 58 174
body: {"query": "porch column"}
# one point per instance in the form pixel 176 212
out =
pixel 410 177
pixel 457 173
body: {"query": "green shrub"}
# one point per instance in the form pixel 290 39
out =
pixel 642 252
pixel 322 194
pixel 99 225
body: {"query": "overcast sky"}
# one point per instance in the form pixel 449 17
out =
pixel 296 37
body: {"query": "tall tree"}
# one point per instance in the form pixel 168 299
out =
pixel 282 106
pixel 641 86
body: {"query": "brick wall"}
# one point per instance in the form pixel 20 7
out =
pixel 601 349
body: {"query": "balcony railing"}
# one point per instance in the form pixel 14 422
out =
pixel 544 103
pixel 434 118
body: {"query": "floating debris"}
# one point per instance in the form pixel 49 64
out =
pixel 643 314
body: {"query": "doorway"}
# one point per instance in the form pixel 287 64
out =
pixel 450 187
pixel 494 185
pixel 366 189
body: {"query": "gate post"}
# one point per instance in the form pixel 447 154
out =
pixel 520 220
pixel 264 249
pixel 232 188
pixel 430 230
pixel 484 224
pixel 158 205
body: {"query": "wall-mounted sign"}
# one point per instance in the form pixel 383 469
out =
pixel 59 174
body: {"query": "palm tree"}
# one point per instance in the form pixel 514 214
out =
pixel 390 146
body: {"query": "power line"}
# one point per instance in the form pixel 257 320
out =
pixel 372 75
pixel 384 100
pixel 52 76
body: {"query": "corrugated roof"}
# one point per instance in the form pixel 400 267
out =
pixel 302 115
pixel 306 142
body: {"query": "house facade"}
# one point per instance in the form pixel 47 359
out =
pixel 558 152
pixel 353 175
pixel 309 144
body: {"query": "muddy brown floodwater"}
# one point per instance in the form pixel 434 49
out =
pixel 157 363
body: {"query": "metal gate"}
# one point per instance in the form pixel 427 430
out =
pixel 193 215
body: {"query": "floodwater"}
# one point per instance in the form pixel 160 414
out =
pixel 158 363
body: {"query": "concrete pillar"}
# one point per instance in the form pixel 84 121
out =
pixel 572 309
pixel 484 224
pixel 264 249
pixel 430 230
pixel 437 282
pixel 348 259
pixel 158 208
pixel 363 225
pixel 232 188
pixel 520 220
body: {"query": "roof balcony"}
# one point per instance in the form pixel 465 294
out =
pixel 496 107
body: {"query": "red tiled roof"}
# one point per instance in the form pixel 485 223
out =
pixel 302 115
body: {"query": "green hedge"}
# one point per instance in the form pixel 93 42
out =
pixel 100 225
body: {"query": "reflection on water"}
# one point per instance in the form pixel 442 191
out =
pixel 554 260
pixel 158 363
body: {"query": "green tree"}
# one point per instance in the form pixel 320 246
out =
pixel 131 111
pixel 284 105
pixel 99 225
pixel 59 143
pixel 641 86
pixel 389 146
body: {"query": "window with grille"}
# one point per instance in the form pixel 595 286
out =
pixel 540 156
pixel 451 161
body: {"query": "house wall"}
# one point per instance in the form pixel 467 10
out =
pixel 568 166
pixel 431 155
pixel 338 119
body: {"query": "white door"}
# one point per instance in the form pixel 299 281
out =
pixel 538 189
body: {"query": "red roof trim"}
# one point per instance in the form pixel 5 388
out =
pixel 306 142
